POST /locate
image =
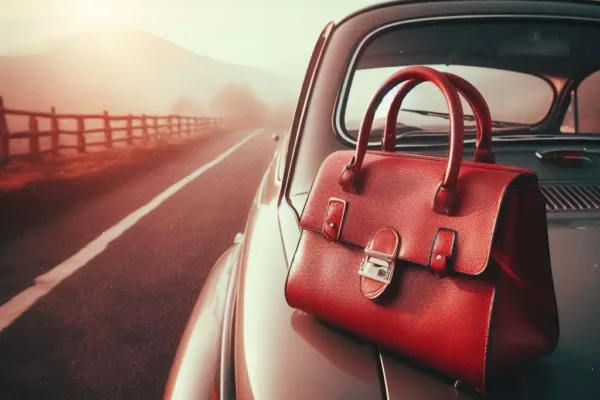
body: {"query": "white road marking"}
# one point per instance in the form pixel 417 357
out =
pixel 16 306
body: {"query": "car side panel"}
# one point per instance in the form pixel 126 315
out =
pixel 281 353
pixel 196 368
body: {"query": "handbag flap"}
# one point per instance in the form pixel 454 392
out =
pixel 396 190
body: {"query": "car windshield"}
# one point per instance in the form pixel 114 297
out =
pixel 514 99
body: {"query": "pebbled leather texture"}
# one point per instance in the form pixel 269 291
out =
pixel 471 293
pixel 442 323
pixel 397 192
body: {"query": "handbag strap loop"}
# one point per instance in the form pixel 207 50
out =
pixel 483 118
pixel 444 196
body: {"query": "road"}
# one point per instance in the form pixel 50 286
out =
pixel 111 329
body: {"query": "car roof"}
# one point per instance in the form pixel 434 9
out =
pixel 376 16
pixel 383 4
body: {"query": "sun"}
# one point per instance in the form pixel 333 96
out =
pixel 98 13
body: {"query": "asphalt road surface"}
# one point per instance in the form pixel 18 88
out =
pixel 110 330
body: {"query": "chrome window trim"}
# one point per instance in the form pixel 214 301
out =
pixel 344 90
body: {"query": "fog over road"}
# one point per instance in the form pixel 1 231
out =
pixel 110 329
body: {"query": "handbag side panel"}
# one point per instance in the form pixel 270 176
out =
pixel 442 323
pixel 525 324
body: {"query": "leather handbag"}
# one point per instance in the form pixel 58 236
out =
pixel 441 260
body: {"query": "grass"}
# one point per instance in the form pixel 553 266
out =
pixel 32 193
pixel 17 175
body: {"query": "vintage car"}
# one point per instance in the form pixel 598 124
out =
pixel 537 65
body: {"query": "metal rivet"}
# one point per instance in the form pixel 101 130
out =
pixel 332 225
pixel 439 257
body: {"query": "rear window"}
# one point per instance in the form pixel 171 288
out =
pixel 505 61
pixel 513 97
pixel 583 114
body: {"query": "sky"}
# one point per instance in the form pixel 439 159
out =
pixel 276 35
pixel 272 34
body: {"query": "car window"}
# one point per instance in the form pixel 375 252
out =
pixel 585 106
pixel 513 97
pixel 508 62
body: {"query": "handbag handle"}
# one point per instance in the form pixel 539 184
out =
pixel 444 196
pixel 483 118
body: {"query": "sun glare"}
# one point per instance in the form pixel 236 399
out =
pixel 98 13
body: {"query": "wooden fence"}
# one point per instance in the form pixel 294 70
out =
pixel 136 127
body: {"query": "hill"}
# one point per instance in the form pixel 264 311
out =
pixel 126 71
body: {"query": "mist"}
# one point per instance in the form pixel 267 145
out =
pixel 156 57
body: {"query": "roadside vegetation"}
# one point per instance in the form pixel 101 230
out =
pixel 235 101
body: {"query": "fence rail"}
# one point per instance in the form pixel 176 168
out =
pixel 137 127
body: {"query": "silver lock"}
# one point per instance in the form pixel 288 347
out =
pixel 376 267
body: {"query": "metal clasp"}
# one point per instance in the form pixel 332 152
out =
pixel 376 266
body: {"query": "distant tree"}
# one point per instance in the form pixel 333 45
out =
pixel 239 101
pixel 187 106
pixel 281 115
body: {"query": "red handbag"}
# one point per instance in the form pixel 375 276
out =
pixel 441 260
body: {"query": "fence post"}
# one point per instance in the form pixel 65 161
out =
pixel 156 129
pixel 108 143
pixel 34 137
pixel 80 135
pixel 54 133
pixel 179 125
pixel 144 128
pixel 4 133
pixel 170 122
pixel 129 131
